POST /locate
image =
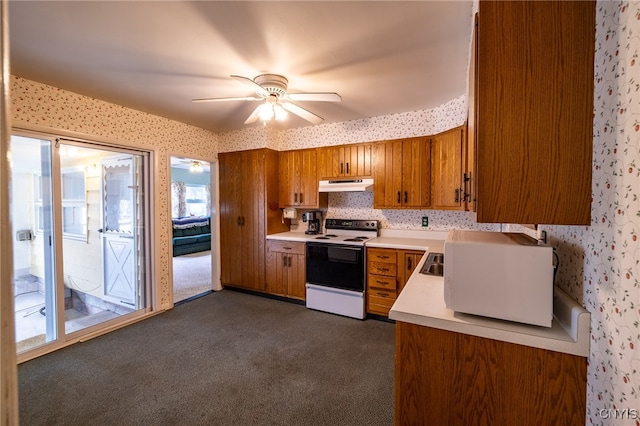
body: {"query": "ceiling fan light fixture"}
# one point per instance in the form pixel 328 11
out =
pixel 280 113
pixel 196 167
pixel 266 111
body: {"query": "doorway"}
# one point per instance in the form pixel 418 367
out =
pixel 79 214
pixel 193 227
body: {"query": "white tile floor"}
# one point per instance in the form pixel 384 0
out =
pixel 29 322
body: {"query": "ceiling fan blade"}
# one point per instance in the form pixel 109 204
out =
pixel 243 98
pixel 321 97
pixel 301 112
pixel 255 86
pixel 254 115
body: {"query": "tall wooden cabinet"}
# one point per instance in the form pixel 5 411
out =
pixel 448 170
pixel 345 161
pixel 299 180
pixel 533 111
pixel 249 211
pixel 402 173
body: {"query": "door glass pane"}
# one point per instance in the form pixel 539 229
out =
pixel 33 254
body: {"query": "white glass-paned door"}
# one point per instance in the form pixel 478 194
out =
pixel 79 220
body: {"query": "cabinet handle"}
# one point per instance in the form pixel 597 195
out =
pixel 398 197
pixel 286 248
pixel 456 197
pixel 405 196
pixel 341 168
pixel 384 269
pixel 295 197
pixel 301 198
pixel 284 261
pixel 289 261
pixel 383 257
pixel 381 282
pixel 408 264
pixel 347 168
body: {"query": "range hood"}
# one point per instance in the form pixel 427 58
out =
pixel 345 185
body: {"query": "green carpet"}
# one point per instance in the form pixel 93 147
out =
pixel 228 358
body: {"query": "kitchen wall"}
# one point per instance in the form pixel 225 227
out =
pixel 360 205
pixel 599 263
pixel 35 105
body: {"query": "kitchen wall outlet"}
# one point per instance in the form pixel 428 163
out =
pixel 425 221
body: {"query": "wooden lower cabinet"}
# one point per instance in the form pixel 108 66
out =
pixel 449 378
pixel 286 269
pixel 387 272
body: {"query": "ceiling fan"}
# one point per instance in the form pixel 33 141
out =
pixel 272 90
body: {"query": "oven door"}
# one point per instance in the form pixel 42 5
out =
pixel 335 265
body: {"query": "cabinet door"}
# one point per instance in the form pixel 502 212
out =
pixel 416 173
pixel 387 191
pixel 357 160
pixel 307 175
pixel 254 220
pixel 447 160
pixel 230 166
pixel 296 277
pixel 534 128
pixel 287 179
pixel 410 260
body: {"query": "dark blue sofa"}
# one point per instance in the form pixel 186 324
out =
pixel 191 235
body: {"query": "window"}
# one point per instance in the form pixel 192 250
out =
pixel 196 199
pixel 74 203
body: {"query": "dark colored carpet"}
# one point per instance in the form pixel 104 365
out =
pixel 227 358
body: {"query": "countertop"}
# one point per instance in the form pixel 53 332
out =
pixel 421 302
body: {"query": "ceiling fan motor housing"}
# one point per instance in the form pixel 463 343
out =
pixel 273 83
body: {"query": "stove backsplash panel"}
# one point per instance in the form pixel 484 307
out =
pixel 359 205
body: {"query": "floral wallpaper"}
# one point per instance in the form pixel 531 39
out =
pixel 36 104
pixel 599 263
pixel 404 125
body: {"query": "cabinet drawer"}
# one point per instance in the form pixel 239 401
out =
pixel 286 246
pixel 382 298
pixel 378 268
pixel 374 308
pixel 381 282
pixel 381 255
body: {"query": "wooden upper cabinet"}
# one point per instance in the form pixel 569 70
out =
pixel 402 173
pixel 534 102
pixel 299 180
pixel 448 175
pixel 345 161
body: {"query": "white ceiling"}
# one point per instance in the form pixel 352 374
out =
pixel 381 57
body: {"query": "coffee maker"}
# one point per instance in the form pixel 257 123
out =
pixel 313 222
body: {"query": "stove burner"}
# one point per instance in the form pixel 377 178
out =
pixel 363 238
pixel 321 238
pixel 352 239
pixel 330 235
